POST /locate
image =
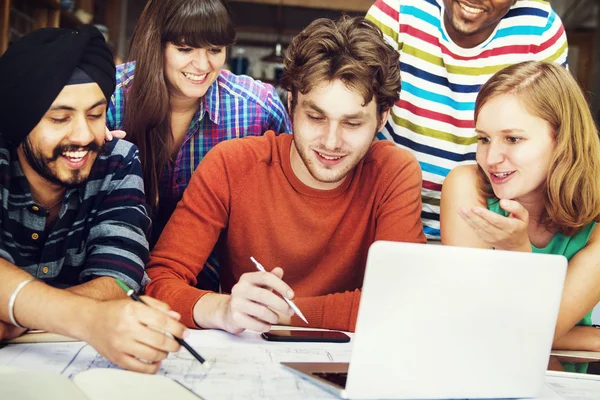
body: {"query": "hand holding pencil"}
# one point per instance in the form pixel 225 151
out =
pixel 133 335
pixel 257 302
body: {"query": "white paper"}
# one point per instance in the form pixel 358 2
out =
pixel 575 386
pixel 244 366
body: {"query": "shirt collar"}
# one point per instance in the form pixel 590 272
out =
pixel 211 101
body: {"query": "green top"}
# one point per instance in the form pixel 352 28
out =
pixel 567 246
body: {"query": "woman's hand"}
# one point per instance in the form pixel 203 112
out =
pixel 503 233
pixel 110 134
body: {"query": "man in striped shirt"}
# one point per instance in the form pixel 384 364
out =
pixel 73 211
pixel 448 49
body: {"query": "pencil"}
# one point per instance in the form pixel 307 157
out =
pixel 182 342
pixel 290 303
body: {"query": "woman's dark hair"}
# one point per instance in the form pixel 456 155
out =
pixel 195 23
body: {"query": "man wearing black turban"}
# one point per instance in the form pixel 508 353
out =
pixel 73 215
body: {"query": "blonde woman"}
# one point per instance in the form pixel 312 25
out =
pixel 536 185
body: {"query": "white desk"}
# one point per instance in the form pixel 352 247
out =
pixel 245 367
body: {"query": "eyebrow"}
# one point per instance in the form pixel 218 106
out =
pixel 311 104
pixel 59 107
pixel 509 130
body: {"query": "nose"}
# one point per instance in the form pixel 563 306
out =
pixel 200 60
pixel 495 154
pixel 81 133
pixel 333 136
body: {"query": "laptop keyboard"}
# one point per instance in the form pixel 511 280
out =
pixel 337 378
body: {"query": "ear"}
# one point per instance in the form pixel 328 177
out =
pixel 384 116
pixel 289 102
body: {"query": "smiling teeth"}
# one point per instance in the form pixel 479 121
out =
pixel 502 175
pixel 470 9
pixel 195 77
pixel 329 158
pixel 75 156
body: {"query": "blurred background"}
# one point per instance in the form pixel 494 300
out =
pixel 265 28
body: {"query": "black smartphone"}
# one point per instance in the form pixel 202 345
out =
pixel 306 336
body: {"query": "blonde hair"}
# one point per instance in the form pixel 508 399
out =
pixel 548 91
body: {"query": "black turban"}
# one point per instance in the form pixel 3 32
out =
pixel 35 69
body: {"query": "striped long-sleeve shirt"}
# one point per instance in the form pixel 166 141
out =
pixel 440 81
pixel 100 229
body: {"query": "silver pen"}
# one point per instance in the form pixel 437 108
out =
pixel 288 301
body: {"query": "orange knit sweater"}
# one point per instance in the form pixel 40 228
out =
pixel 245 199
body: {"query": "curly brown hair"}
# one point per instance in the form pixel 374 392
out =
pixel 350 49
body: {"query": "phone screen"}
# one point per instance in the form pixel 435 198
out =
pixel 306 336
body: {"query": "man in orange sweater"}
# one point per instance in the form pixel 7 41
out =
pixel 310 203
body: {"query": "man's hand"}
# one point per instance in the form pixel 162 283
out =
pixel 9 331
pixel 134 335
pixel 110 134
pixel 254 305
pixel 503 233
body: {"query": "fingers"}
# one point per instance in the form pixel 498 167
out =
pixel 147 353
pixel 247 322
pixel 159 305
pixel 261 296
pixel 498 231
pixel 269 280
pixel 255 310
pixel 478 223
pixel 133 364
pixel 156 339
pixel 159 321
pixel 119 134
pixel 109 135
pixel 515 209
pixel 278 272
pixel 254 305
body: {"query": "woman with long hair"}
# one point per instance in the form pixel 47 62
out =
pixel 176 102
pixel 536 185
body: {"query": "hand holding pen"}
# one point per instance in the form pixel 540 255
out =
pixel 181 341
pixel 288 301
pixel 256 302
pixel 133 335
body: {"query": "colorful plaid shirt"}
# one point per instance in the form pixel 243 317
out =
pixel 100 229
pixel 234 106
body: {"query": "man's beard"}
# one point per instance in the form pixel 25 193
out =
pixel 40 164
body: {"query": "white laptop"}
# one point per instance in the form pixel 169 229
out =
pixel 441 322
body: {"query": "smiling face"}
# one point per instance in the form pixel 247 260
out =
pixel 470 22
pixel 190 71
pixel 333 131
pixel 64 145
pixel 515 148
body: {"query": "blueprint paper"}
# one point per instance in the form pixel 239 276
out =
pixel 244 366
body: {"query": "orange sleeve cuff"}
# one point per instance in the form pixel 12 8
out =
pixel 333 311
